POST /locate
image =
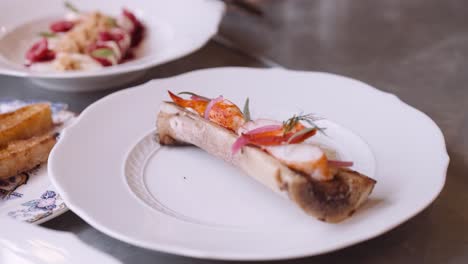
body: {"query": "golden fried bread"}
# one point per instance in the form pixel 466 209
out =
pixel 26 122
pixel 23 155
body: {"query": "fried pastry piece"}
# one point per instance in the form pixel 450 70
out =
pixel 26 122
pixel 23 155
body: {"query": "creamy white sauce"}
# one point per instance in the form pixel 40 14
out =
pixel 87 63
pixel 52 42
pixel 72 16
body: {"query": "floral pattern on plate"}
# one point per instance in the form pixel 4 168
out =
pixel 37 209
pixel 30 197
pixel 8 186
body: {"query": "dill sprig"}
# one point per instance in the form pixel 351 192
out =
pixel 71 7
pixel 47 34
pixel 111 22
pixel 310 119
pixel 246 111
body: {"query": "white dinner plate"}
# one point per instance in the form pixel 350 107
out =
pixel 111 172
pixel 21 243
pixel 173 29
pixel 36 200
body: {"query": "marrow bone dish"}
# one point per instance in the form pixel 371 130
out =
pixel 272 152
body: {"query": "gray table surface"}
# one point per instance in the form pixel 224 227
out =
pixel 416 49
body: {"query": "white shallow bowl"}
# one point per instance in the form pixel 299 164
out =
pixel 111 172
pixel 21 243
pixel 174 28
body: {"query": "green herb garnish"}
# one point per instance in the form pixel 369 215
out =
pixel 194 94
pixel 102 53
pixel 310 119
pixel 71 7
pixel 247 110
pixel 46 34
pixel 112 22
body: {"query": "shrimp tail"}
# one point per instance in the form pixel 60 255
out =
pixel 179 100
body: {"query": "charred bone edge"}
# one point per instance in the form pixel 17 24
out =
pixel 330 201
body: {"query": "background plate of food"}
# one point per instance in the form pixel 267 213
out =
pixel 332 162
pixel 90 45
pixel 28 131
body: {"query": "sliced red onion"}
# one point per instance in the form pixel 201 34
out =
pixel 138 29
pixel 104 62
pixel 118 35
pixel 37 50
pixel 211 104
pixel 339 163
pixel 242 140
pixel 40 52
pixel 253 124
pixel 127 13
pixel 238 144
pixel 105 36
pixel 61 26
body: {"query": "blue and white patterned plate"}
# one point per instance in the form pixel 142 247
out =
pixel 30 197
